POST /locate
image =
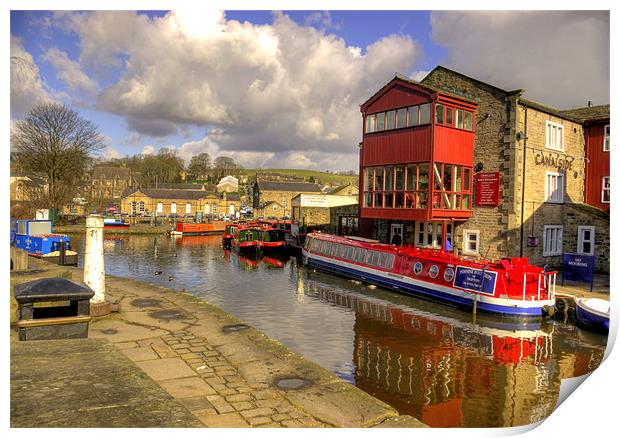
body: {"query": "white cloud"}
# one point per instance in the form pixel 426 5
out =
pixel 419 75
pixel 148 150
pixel 109 153
pixel 560 58
pixel 70 72
pixel 27 88
pixel 264 88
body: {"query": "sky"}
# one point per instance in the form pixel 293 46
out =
pixel 282 89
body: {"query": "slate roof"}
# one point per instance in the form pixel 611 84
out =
pixel 109 172
pixel 589 113
pixel 169 193
pixel 288 186
pixel 180 186
pixel 337 189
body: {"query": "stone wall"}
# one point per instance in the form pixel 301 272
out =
pixel 150 205
pixel 335 213
pixel 494 149
pixel 312 216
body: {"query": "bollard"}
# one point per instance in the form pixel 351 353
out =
pixel 94 274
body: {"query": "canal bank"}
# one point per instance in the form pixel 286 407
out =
pixel 194 363
pixel 138 229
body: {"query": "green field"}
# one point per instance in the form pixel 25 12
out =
pixel 319 177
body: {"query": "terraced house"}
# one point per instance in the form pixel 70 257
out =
pixel 456 163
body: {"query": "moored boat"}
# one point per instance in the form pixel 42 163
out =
pixel 592 314
pixel 38 240
pixel 191 229
pixel 510 287
pixel 245 239
pixel 272 240
pixel 113 222
pixel 228 234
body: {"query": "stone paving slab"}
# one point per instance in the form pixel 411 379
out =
pixel 86 383
pixel 220 377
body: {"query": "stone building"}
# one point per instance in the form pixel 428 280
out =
pixel 344 220
pixel 314 209
pixel 27 187
pixel 525 194
pixel 228 184
pixel 182 203
pixel 281 192
pixel 344 190
pixel 108 183
pixel 270 209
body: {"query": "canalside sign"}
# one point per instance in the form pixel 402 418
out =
pixel 471 279
pixel 578 267
pixel 487 189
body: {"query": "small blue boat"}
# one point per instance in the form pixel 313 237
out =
pixel 593 314
pixel 37 238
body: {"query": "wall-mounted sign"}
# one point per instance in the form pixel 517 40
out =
pixel 578 267
pixel 487 189
pixel 472 279
pixel 554 160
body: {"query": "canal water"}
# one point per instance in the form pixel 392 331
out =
pixel 427 360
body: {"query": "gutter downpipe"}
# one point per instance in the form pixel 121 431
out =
pixel 523 179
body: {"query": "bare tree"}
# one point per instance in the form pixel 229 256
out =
pixel 199 166
pixel 223 166
pixel 55 141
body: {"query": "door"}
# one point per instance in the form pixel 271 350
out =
pixel 585 240
pixel 396 234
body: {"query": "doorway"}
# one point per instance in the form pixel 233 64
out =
pixel 396 234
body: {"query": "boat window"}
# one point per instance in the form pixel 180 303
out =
pixel 310 244
pixel 349 253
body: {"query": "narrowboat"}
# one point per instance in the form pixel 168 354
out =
pixel 191 229
pixel 112 222
pixel 592 314
pixel 228 234
pixel 245 239
pixel 272 240
pixel 37 238
pixel 509 287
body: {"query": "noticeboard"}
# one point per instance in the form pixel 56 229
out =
pixel 578 267
pixel 487 189
pixel 472 279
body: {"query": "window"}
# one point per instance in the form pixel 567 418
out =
pixel 188 208
pixel 449 116
pixel 605 196
pixel 552 240
pixel 390 120
pixel 439 114
pixel 380 126
pixel 555 136
pixel 134 206
pixel 160 207
pixel 401 118
pixel 413 119
pixel 471 241
pixel 370 123
pixel 425 114
pixel 606 141
pixel 141 206
pixel 469 121
pixel 585 240
pixel 554 187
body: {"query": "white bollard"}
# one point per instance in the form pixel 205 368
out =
pixel 94 274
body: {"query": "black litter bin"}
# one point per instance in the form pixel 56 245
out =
pixel 53 308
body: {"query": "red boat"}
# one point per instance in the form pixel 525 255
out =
pixel 510 286
pixel 245 239
pixel 228 234
pixel 272 239
pixel 184 228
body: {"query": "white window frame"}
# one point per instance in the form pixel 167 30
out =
pixel 173 208
pixel 134 207
pixel 160 207
pixel 466 241
pixel 547 252
pixel 142 206
pixel 603 190
pixel 548 197
pixel 580 241
pixel 549 144
pixel 606 138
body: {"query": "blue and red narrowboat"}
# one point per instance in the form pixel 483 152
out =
pixel 38 240
pixel 245 239
pixel 510 286
pixel 272 240
pixel 114 223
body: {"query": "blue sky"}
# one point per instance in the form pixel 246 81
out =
pixel 281 89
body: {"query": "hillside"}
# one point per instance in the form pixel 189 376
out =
pixel 320 177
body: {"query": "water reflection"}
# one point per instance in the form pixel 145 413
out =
pixel 425 359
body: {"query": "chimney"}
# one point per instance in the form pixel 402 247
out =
pixel 589 103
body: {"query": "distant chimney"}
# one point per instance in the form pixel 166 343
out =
pixel 589 103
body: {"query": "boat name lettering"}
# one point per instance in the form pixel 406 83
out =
pixel 472 279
